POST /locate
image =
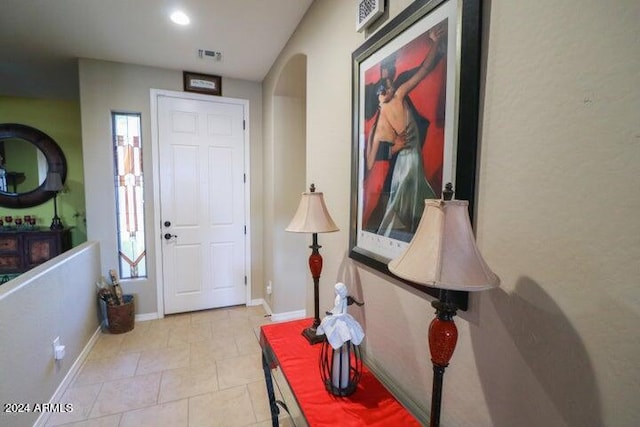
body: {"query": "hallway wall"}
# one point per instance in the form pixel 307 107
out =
pixel 557 204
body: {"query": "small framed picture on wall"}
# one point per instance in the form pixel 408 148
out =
pixel 202 83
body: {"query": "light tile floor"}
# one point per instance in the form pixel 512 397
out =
pixel 196 369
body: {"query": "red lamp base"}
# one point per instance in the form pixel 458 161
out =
pixel 443 337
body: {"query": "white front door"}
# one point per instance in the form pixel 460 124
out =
pixel 202 202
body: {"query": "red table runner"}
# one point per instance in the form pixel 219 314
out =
pixel 370 405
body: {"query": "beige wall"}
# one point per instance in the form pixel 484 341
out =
pixel 110 86
pixel 289 263
pixel 54 299
pixel 284 176
pixel 557 216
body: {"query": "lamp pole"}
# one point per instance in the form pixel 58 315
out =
pixel 313 217
pixel 56 224
pixel 443 337
pixel 315 265
pixel 443 254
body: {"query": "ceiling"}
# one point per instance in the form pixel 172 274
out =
pixel 40 39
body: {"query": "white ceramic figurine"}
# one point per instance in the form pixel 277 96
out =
pixel 338 325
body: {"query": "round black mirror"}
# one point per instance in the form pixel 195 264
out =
pixel 14 141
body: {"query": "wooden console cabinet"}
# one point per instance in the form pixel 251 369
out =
pixel 22 250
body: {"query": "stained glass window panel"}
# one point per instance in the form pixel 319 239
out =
pixel 127 144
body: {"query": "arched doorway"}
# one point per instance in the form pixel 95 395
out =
pixel 286 259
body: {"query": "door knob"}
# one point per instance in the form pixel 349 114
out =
pixel 168 236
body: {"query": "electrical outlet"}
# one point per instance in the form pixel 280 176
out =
pixel 58 350
pixel 56 345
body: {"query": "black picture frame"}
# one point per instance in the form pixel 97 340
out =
pixel 202 83
pixel 450 91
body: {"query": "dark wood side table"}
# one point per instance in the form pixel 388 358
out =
pixel 21 250
pixel 286 351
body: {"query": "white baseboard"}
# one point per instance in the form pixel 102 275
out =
pixel 66 381
pixel 255 302
pixel 290 315
pixel 146 316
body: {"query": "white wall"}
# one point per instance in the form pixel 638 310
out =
pixel 55 299
pixel 110 86
pixel 558 201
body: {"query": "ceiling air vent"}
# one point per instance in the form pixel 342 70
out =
pixel 210 54
pixel 368 11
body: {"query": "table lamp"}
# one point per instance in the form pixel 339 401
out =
pixel 54 183
pixel 443 254
pixel 313 217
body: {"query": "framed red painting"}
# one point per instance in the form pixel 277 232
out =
pixel 415 123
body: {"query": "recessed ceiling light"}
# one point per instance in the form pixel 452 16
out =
pixel 180 18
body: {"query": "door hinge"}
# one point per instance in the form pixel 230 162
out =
pixel 245 280
pixel 244 178
pixel 245 229
pixel 244 125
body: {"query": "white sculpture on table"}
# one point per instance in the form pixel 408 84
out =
pixel 340 328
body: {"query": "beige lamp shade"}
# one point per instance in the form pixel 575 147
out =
pixel 443 252
pixel 312 215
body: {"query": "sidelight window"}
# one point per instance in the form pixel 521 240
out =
pixel 127 147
